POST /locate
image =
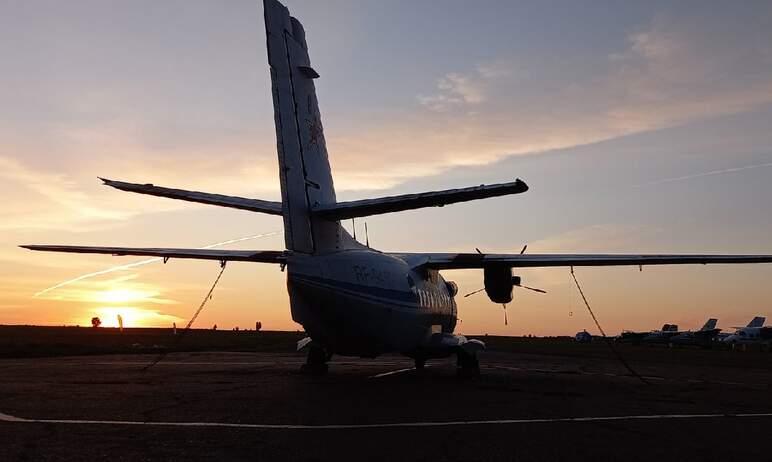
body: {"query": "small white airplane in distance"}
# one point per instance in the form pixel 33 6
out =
pixel 352 299
pixel 748 334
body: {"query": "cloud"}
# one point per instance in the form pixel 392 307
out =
pixel 665 72
pixel 36 199
pixel 705 174
pixel 455 89
pixel 671 71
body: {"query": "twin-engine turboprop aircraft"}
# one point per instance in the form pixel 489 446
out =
pixel 351 299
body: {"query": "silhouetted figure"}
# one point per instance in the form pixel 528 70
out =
pixel 96 322
pixel 258 326
pixel 120 323
pixel 214 327
pixel 174 328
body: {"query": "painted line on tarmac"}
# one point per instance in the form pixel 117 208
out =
pixel 610 374
pixel 298 361
pixel 12 419
pixel 398 371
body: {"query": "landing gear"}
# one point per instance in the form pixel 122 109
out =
pixel 468 365
pixel 420 363
pixel 316 362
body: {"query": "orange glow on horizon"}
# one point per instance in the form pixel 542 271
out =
pixel 132 317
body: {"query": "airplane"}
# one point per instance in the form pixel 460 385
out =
pixel 352 299
pixel 636 338
pixel 752 333
pixel 704 337
pixel 583 337
pixel 662 336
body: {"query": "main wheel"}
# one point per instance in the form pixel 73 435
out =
pixel 420 363
pixel 316 362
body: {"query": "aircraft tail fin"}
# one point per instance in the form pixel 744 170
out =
pixel 758 321
pixel 304 168
pixel 710 324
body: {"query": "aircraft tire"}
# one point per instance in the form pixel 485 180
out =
pixel 468 366
pixel 316 363
pixel 314 369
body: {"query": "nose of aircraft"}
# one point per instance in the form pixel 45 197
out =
pixel 731 339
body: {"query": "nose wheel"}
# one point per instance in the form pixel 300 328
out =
pixel 468 365
pixel 316 362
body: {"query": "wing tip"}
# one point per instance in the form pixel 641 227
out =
pixel 34 246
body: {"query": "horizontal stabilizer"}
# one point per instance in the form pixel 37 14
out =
pixel 478 260
pixel 368 207
pixel 261 256
pixel 253 205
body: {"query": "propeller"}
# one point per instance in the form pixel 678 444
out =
pixel 541 291
pixel 515 283
pixel 475 292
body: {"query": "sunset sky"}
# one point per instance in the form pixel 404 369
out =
pixel 639 127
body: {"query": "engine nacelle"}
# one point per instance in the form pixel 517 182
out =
pixel 452 288
pixel 499 282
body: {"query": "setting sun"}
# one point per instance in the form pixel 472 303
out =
pixel 121 296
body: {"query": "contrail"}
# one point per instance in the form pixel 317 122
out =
pixel 704 174
pixel 146 262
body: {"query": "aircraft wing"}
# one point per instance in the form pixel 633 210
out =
pixel 261 256
pixel 368 207
pixel 253 205
pixel 441 261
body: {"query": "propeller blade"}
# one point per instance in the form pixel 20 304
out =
pixel 524 247
pixel 506 323
pixel 476 291
pixel 541 291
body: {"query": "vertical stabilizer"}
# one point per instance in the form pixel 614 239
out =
pixel 758 321
pixel 710 325
pixel 304 169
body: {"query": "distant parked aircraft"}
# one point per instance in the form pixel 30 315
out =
pixel 705 337
pixel 352 299
pixel 583 337
pixel 662 336
pixel 754 332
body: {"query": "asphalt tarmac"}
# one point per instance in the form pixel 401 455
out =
pixel 257 406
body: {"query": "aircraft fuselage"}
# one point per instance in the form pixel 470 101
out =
pixel 364 303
